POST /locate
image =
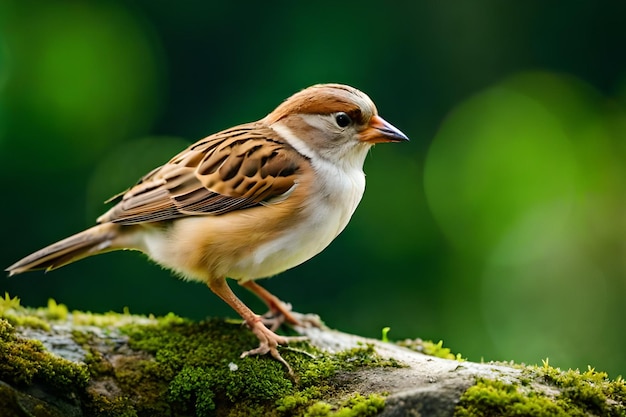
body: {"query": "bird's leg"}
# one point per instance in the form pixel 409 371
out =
pixel 279 311
pixel 268 340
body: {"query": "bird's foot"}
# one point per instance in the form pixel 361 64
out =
pixel 269 342
pixel 279 311
pixel 276 317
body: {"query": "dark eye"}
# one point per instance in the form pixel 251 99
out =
pixel 342 119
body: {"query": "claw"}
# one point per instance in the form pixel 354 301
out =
pixel 269 342
pixel 273 319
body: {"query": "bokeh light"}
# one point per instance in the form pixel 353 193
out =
pixel 502 156
pixel 87 73
pixel 522 179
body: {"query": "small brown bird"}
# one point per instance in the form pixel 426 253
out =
pixel 245 203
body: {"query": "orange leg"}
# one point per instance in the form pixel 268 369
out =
pixel 273 303
pixel 268 340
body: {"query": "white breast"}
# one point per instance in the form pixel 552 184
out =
pixel 338 191
pixel 323 219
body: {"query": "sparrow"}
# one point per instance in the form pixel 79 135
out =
pixel 245 203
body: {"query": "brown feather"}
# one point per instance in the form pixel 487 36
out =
pixel 241 167
pixel 86 243
pixel 327 99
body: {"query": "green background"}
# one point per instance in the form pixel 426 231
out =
pixel 500 228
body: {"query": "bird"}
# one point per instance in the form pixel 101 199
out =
pixel 245 203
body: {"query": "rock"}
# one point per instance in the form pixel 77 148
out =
pixel 80 364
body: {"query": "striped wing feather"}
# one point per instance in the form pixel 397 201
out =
pixel 238 168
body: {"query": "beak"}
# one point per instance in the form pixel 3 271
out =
pixel 379 131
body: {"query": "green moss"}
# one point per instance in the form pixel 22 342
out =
pixel 589 392
pixel 102 405
pixel 81 338
pixel 579 394
pixel 33 322
pixel 107 319
pixel 430 348
pixel 355 406
pixel 13 312
pixel 7 303
pixel 358 405
pixel 178 367
pixel 139 390
pixel 319 409
pixel 39 318
pixel 24 361
pixel 54 311
pixel 202 363
pixel 497 398
pixel 288 403
pixel 364 356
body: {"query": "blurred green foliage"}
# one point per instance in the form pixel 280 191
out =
pixel 500 228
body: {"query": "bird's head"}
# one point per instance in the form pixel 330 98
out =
pixel 334 121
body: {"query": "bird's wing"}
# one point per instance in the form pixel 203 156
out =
pixel 241 167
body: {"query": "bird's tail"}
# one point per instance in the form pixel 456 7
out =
pixel 93 241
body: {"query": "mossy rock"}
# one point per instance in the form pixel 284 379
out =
pixel 125 365
pixel 57 363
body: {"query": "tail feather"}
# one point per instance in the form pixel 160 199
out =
pixel 90 242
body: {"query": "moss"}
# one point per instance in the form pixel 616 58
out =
pixel 364 356
pixel 589 392
pixel 430 348
pixel 355 406
pixel 97 364
pixel 55 311
pixel 33 322
pixel 206 374
pixel 579 394
pixel 173 366
pixel 358 405
pixel 7 303
pixel 13 312
pixel 81 338
pixel 497 398
pixel 107 319
pixel 23 362
pixel 177 367
pixel 426 347
pixel 103 405
pixel 288 403
pixel 124 385
pixel 39 318
pixel 319 409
